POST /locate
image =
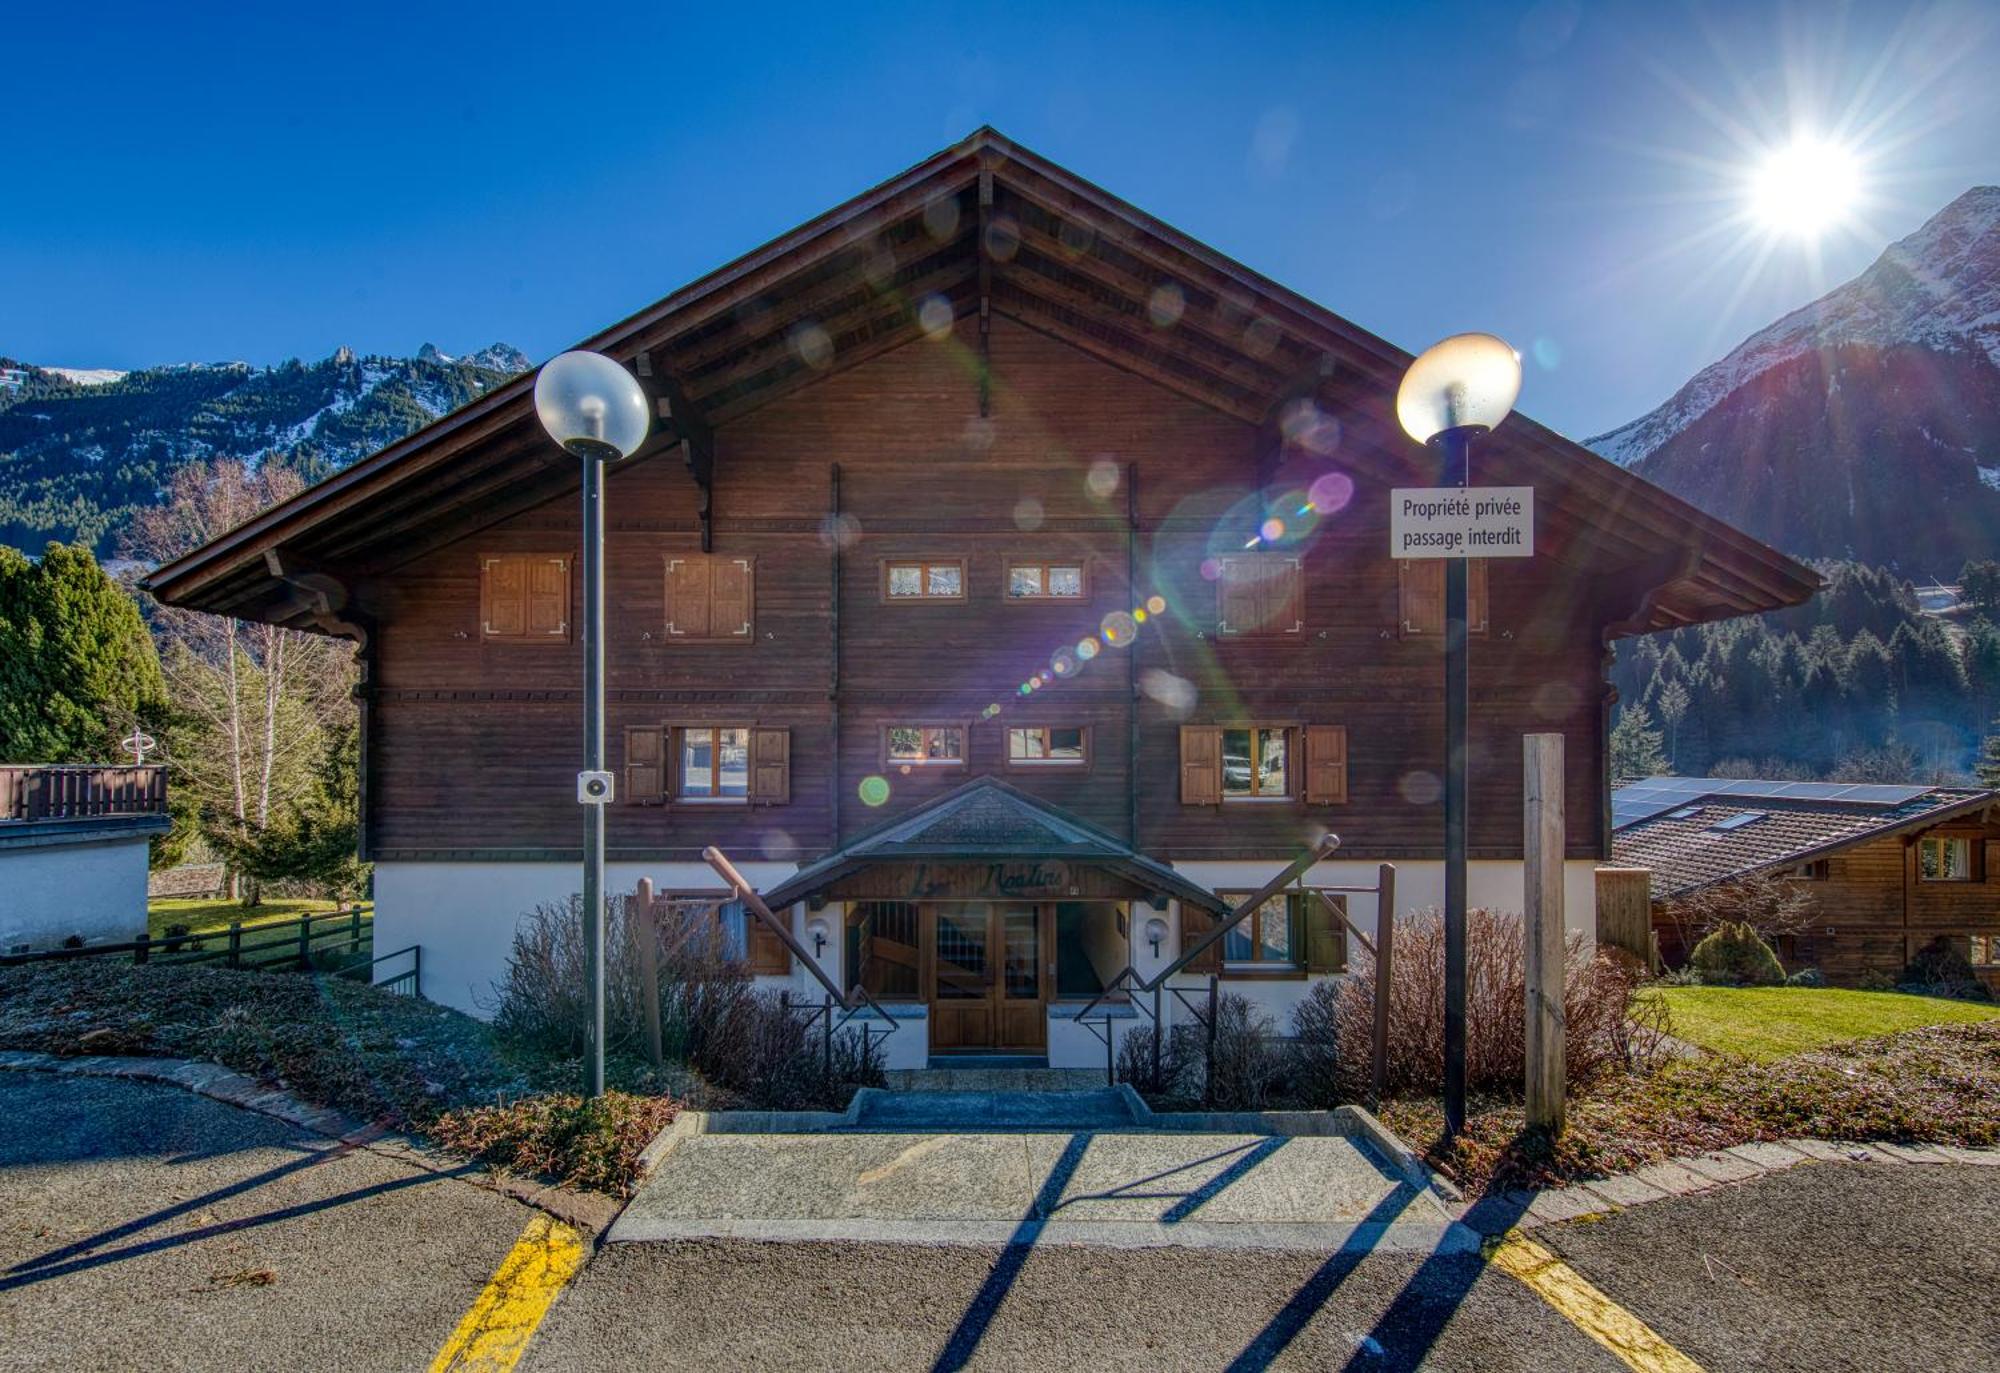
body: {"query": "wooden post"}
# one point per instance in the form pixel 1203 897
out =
pixel 144 947
pixel 354 930
pixel 305 942
pixel 1385 942
pixel 1542 926
pixel 236 943
pixel 639 911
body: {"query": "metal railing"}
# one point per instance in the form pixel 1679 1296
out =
pixel 64 791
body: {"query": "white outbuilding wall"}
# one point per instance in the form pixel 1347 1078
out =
pixel 93 889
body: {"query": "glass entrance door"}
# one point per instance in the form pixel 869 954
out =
pixel 987 980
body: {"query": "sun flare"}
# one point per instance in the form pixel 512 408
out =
pixel 1805 188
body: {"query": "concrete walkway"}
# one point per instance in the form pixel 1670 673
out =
pixel 1046 1168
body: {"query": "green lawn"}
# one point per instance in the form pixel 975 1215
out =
pixel 1771 1022
pixel 202 916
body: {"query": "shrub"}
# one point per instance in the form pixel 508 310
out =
pixel 1732 955
pixel 1939 969
pixel 1875 980
pixel 577 1140
pixel 1253 1066
pixel 1606 1026
pixel 1806 977
pixel 1179 1076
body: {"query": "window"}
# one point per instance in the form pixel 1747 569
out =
pixel 1985 951
pixel 524 597
pixel 1737 821
pixel 1257 594
pixel 882 945
pixel 1254 764
pixel 714 764
pixel 923 745
pixel 711 598
pixel 1047 746
pixel 1945 859
pixel 1045 582
pixel 1815 871
pixel 924 579
pixel 708 764
pixel 1268 936
pixel 1421 595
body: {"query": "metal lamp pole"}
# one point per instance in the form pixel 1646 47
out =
pixel 1456 447
pixel 597 411
pixel 1455 390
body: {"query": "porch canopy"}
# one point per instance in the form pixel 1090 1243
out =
pixel 986 840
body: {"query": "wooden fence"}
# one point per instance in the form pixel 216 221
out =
pixel 65 792
pixel 1625 913
pixel 338 941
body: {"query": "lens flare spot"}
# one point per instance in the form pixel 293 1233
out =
pixel 1306 426
pixel 1063 662
pixel 812 345
pixel 874 790
pixel 1003 238
pixel 1118 629
pixel 980 432
pixel 1043 677
pixel 1548 353
pixel 1419 788
pixel 1260 338
pixel 1156 605
pixel 1028 514
pixel 1211 568
pixel 1271 530
pixel 778 846
pixel 1102 479
pixel 1087 649
pixel 1331 492
pixel 839 531
pixel 941 218
pixel 1139 614
pixel 934 317
pixel 1177 694
pixel 1166 305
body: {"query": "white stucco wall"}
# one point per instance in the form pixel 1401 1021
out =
pixel 50 892
pixel 464 914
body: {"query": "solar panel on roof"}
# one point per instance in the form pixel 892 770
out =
pixel 1886 795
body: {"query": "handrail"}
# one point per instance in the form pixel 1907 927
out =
pixel 1302 863
pixel 741 890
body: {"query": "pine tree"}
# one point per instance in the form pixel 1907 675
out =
pixel 1989 758
pixel 1635 747
pixel 77 668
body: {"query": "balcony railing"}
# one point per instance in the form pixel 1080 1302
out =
pixel 80 792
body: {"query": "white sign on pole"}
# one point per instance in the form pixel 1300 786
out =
pixel 1462 522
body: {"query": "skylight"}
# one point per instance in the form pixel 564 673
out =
pixel 1684 813
pixel 1739 820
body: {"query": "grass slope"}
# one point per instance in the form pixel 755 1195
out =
pixel 203 916
pixel 1766 1023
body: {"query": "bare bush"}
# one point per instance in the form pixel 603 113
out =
pixel 1335 1024
pixel 1252 1066
pixel 1772 906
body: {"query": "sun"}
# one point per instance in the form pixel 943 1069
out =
pixel 1805 188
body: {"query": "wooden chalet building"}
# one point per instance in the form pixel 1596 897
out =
pixel 943 600
pixel 1888 869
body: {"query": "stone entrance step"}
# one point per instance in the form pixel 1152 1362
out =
pixel 948 1076
pixel 1101 1108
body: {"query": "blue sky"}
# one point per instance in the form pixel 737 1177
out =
pixel 188 182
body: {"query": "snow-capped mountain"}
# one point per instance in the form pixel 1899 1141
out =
pixel 81 448
pixel 1865 425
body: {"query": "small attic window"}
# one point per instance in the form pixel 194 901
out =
pixel 1684 813
pixel 1739 820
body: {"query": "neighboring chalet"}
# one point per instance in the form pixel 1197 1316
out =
pixel 1005 588
pixel 74 840
pixel 1890 869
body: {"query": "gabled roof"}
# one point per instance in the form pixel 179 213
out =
pixel 986 820
pixel 984 224
pixel 1704 840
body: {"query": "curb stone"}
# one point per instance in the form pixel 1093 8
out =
pixel 1698 1173
pixel 587 1211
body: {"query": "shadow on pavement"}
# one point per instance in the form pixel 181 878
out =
pixel 1186 1203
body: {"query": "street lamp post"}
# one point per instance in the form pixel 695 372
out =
pixel 596 410
pixel 1457 390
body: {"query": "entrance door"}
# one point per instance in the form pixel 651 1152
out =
pixel 987 980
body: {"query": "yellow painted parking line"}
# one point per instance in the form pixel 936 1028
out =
pixel 1634 1342
pixel 493 1334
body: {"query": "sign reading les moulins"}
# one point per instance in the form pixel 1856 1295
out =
pixel 1020 879
pixel 1462 522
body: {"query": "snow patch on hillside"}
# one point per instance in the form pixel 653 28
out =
pixel 1989 477
pixel 87 376
pixel 1939 288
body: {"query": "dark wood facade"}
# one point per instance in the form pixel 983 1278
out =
pixel 983 362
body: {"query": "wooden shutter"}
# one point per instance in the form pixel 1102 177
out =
pixel 548 597
pixel 1201 765
pixel 1422 598
pixel 1325 932
pixel 645 765
pixel 1259 593
pixel 770 766
pixel 731 598
pixel 767 952
pixel 1284 596
pixel 1326 765
pixel 1195 924
pixel 1239 603
pixel 503 596
pixel 690 597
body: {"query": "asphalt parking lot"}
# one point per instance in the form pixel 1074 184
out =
pixel 144 1226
